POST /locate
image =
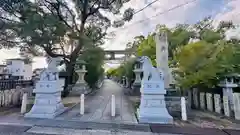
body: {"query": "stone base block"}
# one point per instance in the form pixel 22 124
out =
pixel 136 90
pixel 46 106
pixel 153 109
pixel 163 118
pixel 35 114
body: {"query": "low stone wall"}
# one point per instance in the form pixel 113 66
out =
pixel 13 97
pixel 215 103
pixel 173 104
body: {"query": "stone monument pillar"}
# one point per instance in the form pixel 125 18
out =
pixel 81 71
pixel 48 89
pixel 152 106
pixel 162 56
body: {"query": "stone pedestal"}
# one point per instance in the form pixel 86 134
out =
pixel 136 90
pixel 47 102
pixel 229 93
pixel 48 90
pixel 227 88
pixel 80 85
pixel 153 107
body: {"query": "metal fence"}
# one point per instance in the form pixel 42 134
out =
pixel 11 84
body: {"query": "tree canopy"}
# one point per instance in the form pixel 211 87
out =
pixel 200 53
pixel 58 28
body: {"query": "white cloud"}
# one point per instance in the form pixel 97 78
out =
pixel 132 29
pixel 230 12
pixel 7 54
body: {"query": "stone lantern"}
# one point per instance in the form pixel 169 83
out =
pixel 137 82
pixel 80 69
pixel 124 81
pixel 137 70
pixel 227 85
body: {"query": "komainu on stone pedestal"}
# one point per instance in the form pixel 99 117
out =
pixel 48 89
pixel 152 107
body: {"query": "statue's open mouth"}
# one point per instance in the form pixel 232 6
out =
pixel 140 59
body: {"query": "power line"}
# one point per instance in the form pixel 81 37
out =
pixel 146 6
pixel 160 13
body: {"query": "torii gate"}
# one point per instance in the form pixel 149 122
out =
pixel 111 54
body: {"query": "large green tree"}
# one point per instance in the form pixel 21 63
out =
pixel 58 28
pixel 200 63
pixel 94 59
pixel 204 63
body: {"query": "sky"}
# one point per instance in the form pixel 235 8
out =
pixel 190 13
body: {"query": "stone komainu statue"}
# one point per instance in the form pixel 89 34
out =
pixel 150 73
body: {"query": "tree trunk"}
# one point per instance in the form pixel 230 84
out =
pixel 72 60
pixel 70 71
pixel 69 78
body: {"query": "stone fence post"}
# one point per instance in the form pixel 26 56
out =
pixel 189 94
pixel 1 97
pixel 226 106
pixel 217 103
pixel 196 97
pixel 10 97
pixel 236 102
pixel 209 101
pixel 202 100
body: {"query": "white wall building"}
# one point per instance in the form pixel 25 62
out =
pixel 28 72
pixel 2 69
pixel 19 69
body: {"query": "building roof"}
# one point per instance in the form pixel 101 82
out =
pixel 38 69
pixel 16 59
pixel 233 75
pixel 81 62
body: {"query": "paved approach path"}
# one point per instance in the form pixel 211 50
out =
pixel 98 106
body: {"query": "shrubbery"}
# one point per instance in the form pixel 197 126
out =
pixel 94 58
